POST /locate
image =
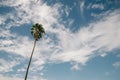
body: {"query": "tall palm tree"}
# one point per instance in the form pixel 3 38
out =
pixel 37 31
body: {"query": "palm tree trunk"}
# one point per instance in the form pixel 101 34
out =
pixel 30 59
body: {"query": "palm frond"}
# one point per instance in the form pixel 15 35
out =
pixel 37 31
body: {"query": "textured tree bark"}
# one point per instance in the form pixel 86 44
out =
pixel 30 60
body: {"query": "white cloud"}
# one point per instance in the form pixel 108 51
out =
pixel 2 19
pixel 82 7
pixel 116 64
pixel 17 46
pixel 25 12
pixel 108 30
pixel 2 77
pixel 67 10
pixel 75 67
pixel 102 36
pixel 98 6
pixel 31 11
pixel 4 66
pixel 103 54
pixel 13 3
pixel 9 78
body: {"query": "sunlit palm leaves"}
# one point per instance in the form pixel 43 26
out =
pixel 37 31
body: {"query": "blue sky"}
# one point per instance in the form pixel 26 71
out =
pixel 82 40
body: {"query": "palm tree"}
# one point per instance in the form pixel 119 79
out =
pixel 37 31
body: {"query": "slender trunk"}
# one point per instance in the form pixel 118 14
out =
pixel 30 60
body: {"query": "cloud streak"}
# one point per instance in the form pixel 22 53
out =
pixel 97 38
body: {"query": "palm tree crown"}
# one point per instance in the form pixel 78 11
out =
pixel 37 31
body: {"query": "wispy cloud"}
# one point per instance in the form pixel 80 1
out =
pixel 16 78
pixel 82 8
pixel 117 64
pixel 100 37
pixel 9 78
pixel 98 6
pixel 25 12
